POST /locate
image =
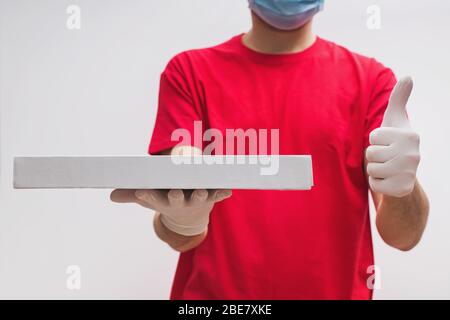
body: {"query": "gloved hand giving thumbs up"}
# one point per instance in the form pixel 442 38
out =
pixel 394 154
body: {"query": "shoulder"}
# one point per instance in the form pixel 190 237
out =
pixel 186 60
pixel 342 53
pixel 368 68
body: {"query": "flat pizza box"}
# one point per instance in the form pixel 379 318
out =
pixel 164 172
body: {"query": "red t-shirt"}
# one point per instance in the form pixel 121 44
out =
pixel 281 244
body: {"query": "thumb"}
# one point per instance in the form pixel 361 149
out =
pixel 123 196
pixel 396 115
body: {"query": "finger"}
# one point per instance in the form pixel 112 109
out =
pixel 154 198
pixel 389 169
pixel 175 198
pixel 378 170
pixel 378 185
pixel 123 196
pixel 397 186
pixel 384 136
pixel 377 153
pixel 395 115
pixel 198 197
pixel 220 195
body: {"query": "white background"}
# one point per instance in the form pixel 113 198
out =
pixel 94 92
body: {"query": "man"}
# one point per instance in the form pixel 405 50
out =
pixel 327 102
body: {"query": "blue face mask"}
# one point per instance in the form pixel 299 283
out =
pixel 286 14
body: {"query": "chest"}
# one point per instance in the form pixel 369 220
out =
pixel 312 109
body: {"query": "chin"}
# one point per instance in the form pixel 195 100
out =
pixel 257 19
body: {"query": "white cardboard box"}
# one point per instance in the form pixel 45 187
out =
pixel 162 172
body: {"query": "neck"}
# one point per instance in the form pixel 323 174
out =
pixel 265 39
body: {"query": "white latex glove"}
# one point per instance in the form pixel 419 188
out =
pixel 394 154
pixel 183 212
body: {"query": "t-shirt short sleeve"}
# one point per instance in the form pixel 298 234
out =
pixel 381 84
pixel 177 107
